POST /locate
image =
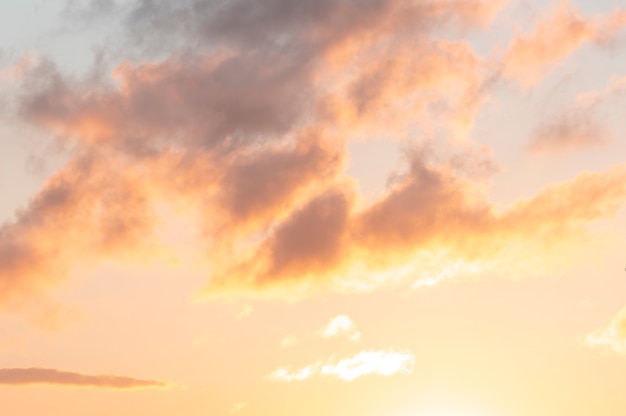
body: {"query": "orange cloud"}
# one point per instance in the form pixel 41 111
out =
pixel 160 105
pixel 34 376
pixel 251 90
pixel 88 209
pixel 305 246
pixel 570 202
pixel 579 125
pixel 557 34
pixel 257 186
pixel 249 133
pixel 430 211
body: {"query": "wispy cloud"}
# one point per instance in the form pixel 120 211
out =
pixel 579 125
pixel 558 33
pixel 569 131
pixel 32 376
pixel 383 363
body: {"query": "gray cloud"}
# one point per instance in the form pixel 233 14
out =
pixel 32 376
pixel 571 131
pixel 89 10
pixel 299 25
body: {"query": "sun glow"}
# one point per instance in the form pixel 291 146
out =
pixel 449 412
pixel 449 408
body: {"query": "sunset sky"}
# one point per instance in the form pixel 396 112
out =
pixel 313 207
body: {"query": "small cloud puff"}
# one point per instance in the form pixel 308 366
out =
pixel 612 336
pixel 341 325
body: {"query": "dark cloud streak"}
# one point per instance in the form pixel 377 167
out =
pixel 34 376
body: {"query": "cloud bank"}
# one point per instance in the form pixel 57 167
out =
pixel 244 134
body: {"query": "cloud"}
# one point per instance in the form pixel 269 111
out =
pixel 84 211
pixel 17 70
pixel 245 137
pixel 217 98
pixel 89 11
pixel 309 26
pixel 431 210
pixel 33 376
pixel 312 239
pixel 341 325
pixel 382 362
pixel 201 102
pixel 572 130
pixel 615 87
pixel 569 201
pixel 557 34
pixel 612 337
pixel 579 125
pixel 258 186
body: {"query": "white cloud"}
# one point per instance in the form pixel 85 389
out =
pixel 341 325
pixel 285 373
pixel 613 336
pixel 381 362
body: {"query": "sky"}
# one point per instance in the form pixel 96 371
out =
pixel 332 207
